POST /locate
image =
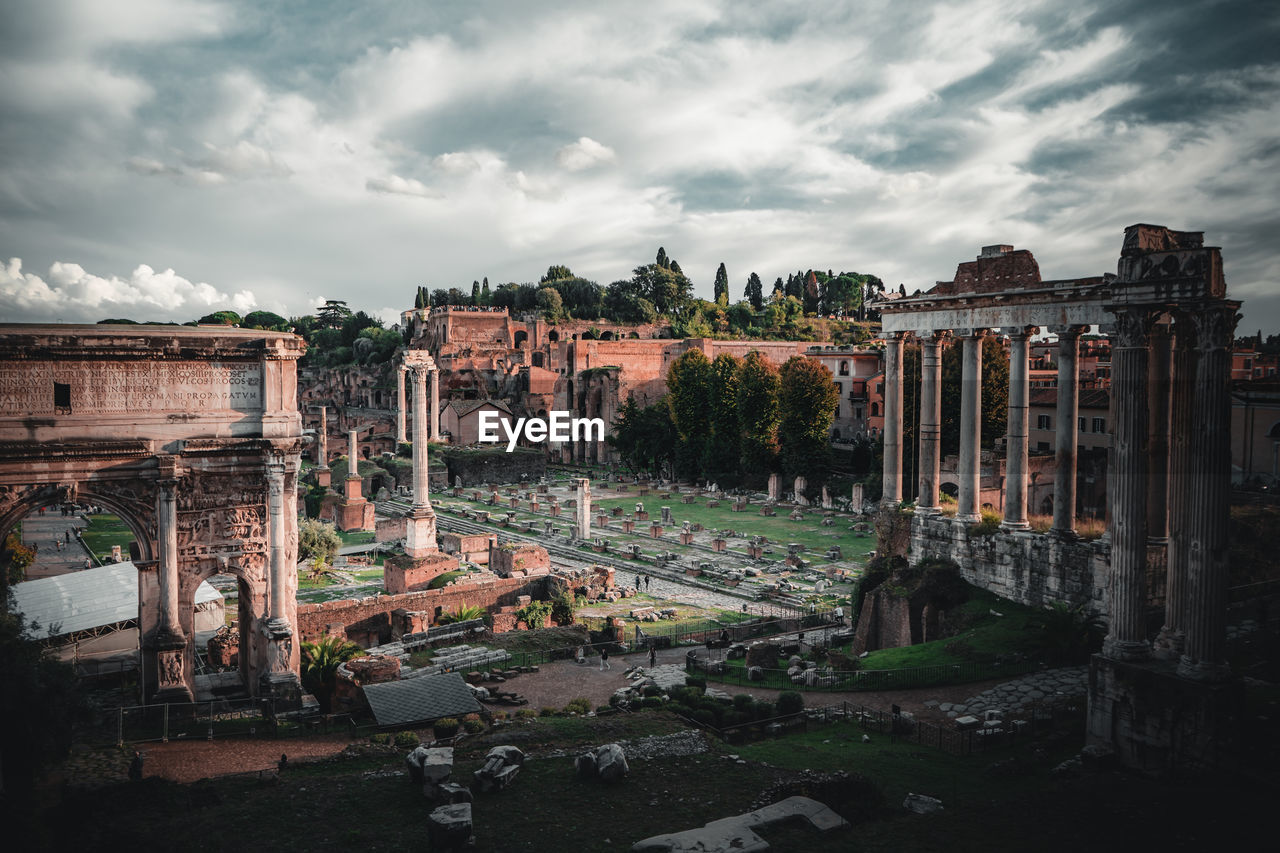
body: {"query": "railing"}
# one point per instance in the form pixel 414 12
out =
pixel 733 672
pixel 208 720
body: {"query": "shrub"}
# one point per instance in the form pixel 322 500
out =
pixel 535 614
pixel 562 607
pixel 578 706
pixel 445 727
pixel 789 703
pixel 472 727
pixel 763 710
pixel 653 690
pixel 526 714
pixel 547 711
pixel 499 715
pixel 680 708
pixel 406 739
pixel 743 701
pixel 696 681
pixel 380 738
pixel 989 524
pixel 704 717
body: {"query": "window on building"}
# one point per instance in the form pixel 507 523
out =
pixel 857 413
pixel 875 409
pixel 1042 447
pixel 1082 424
pixel 844 368
pixel 1099 424
pixel 1044 422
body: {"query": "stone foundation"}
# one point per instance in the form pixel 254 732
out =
pixel 389 529
pixel 406 574
pixel 354 515
pixel 518 560
pixel 474 548
pixel 1158 722
pixel 1029 568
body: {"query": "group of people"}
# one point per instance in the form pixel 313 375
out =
pixel 580 657
pixel 643 582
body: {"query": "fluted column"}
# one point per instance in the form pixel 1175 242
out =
pixel 400 420
pixel 1127 487
pixel 435 404
pixel 170 629
pixel 970 473
pixel 1169 643
pixel 1159 368
pixel 421 488
pixel 1015 494
pixel 1203 652
pixel 322 446
pixel 1064 476
pixel 930 423
pixel 893 419
pixel 276 555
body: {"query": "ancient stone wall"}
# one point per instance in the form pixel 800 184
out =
pixel 515 560
pixel 494 466
pixel 368 620
pixel 1029 568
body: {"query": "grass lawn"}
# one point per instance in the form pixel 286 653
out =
pixel 103 532
pixel 356 537
pixel 985 636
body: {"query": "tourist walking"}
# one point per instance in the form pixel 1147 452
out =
pixel 653 655
pixel 579 656
pixel 604 659
pixel 135 767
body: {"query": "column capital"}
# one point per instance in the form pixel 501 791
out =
pixel 1067 331
pixel 1131 326
pixel 971 333
pixel 1022 332
pixel 1215 326
pixel 932 336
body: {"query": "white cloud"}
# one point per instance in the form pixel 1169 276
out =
pixel 584 154
pixel 396 185
pixel 70 293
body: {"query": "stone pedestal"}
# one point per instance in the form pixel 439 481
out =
pixel 686 538
pixel 324 477
pixel 420 533
pixel 1156 721
pixel 655 530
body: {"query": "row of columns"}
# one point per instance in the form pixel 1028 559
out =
pixel 417 407
pixel 969 472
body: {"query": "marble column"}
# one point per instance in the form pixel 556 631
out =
pixel 353 454
pixel 276 568
pixel 1169 643
pixel 1159 368
pixel 1016 468
pixel 582 487
pixel 930 423
pixel 435 404
pixel 1203 656
pixel 1064 469
pixel 1127 487
pixel 170 628
pixel 420 526
pixel 970 472
pixel 400 420
pixel 421 488
pixel 322 446
pixel 892 419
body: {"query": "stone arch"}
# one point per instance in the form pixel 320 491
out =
pixel 553 336
pixel 1046 505
pixel 521 338
pixel 538 359
pixel 950 487
pixel 606 336
pixel 1274 432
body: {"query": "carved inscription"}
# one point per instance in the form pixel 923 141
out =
pixel 28 388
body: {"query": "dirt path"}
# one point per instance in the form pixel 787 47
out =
pixel 188 761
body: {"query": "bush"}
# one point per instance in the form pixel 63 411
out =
pixel 989 524
pixel 790 703
pixel 547 711
pixel 445 727
pixel 653 690
pixel 763 710
pixel 696 681
pixel 472 727
pixel 680 708
pixel 743 702
pixel 578 706
pixel 381 738
pixel 406 739
pixel 704 717
pixel 526 714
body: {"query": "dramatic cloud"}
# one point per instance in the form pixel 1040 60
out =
pixel 353 155
pixel 69 294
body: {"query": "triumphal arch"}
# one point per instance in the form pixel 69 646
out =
pixel 191 435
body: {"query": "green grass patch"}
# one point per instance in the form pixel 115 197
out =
pixel 356 537
pixel 441 580
pixel 104 531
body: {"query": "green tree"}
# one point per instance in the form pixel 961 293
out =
pixel 550 303
pixel 320 662
pixel 665 286
pixel 808 406
pixel 486 298
pixel 15 559
pixel 755 292
pixel 475 292
pixel 223 318
pixel 556 272
pixel 333 313
pixel 644 437
pixel 812 293
pixel 317 539
pixel 759 387
pixel 722 455
pixel 722 286
pixel 688 388
pixel 264 320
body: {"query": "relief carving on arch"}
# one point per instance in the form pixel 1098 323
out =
pixel 221 517
pixel 169 668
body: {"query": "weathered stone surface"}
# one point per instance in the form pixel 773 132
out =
pixel 585 765
pixel 921 804
pixel 611 763
pixel 449 827
pixel 437 764
pixel 739 833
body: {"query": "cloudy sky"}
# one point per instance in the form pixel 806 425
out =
pixel 160 159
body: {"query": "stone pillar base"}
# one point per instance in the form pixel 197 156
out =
pixel 1014 526
pixel 352 489
pixel 1206 672
pixel 420 533
pixel 1127 650
pixel 1168 645
pixel 324 477
pixel 282 688
pixel 1158 722
pixel 354 515
pixel 176 695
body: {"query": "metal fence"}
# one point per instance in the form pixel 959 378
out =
pixel 980 738
pixel 208 720
pixel 730 672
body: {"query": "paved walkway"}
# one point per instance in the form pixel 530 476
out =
pixel 47 531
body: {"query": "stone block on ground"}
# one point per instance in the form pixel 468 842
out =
pixel 436 764
pixel 611 763
pixel 922 804
pixel 449 827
